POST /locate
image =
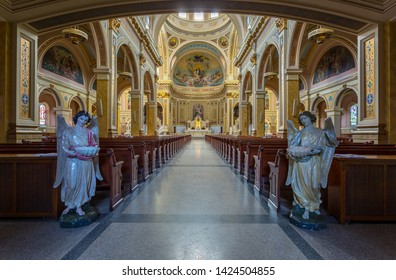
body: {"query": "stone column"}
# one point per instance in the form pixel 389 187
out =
pixel 151 117
pixel 5 77
pixel 135 113
pixel 335 115
pixel 260 114
pixel 113 35
pixel 292 77
pixel 103 101
pixel 283 94
pixel 244 118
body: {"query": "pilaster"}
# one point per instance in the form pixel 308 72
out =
pixel 23 106
pixel 103 101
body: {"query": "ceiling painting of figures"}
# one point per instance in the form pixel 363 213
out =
pixel 198 69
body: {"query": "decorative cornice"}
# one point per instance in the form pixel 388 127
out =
pixel 197 95
pixel 249 40
pixel 115 24
pixel 281 24
pixel 147 40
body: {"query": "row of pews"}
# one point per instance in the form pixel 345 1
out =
pixel 28 170
pixel 362 179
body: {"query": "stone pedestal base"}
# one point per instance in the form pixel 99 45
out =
pixel 74 220
pixel 314 222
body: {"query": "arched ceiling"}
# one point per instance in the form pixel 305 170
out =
pixel 348 15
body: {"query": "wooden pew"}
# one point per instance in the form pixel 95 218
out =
pixel 139 148
pixel 112 177
pixel 26 190
pixel 108 164
pixel 277 180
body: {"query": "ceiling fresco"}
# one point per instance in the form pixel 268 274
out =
pixel 198 69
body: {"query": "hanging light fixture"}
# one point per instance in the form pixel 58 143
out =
pixel 320 34
pixel 75 35
pixel 125 74
pixel 270 74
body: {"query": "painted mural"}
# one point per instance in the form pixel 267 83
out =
pixel 60 61
pixel 198 70
pixel 335 61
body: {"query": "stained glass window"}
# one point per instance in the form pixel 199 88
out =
pixel 43 115
pixel 354 113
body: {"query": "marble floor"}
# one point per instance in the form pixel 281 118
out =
pixel 194 208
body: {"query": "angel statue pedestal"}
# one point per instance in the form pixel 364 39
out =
pixel 310 152
pixel 73 220
pixel 77 168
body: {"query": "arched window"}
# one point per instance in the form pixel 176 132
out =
pixel 43 114
pixel 353 110
pixel 199 16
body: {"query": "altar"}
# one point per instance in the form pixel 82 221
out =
pixel 198 127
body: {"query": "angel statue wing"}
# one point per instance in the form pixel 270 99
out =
pixel 328 152
pixel 61 128
pixel 292 132
pixel 94 127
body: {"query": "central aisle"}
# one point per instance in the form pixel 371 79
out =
pixel 195 207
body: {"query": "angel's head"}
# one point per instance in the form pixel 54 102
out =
pixel 84 114
pixel 307 114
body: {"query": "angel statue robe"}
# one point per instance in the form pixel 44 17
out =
pixel 308 174
pixel 79 180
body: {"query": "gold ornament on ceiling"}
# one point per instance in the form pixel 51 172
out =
pixel 320 34
pixel 75 35
pixel 173 42
pixel 223 42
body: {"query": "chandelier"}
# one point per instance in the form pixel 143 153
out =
pixel 270 74
pixel 320 34
pixel 125 74
pixel 75 35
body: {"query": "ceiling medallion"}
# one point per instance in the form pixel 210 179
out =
pixel 320 34
pixel 173 42
pixel 75 35
pixel 223 42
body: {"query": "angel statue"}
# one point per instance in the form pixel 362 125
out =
pixel 310 153
pixel 77 161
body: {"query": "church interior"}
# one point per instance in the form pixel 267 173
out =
pixel 199 94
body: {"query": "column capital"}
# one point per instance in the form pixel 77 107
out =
pixel 102 73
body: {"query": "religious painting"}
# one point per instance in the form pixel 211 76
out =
pixel 335 61
pixel 198 111
pixel 61 61
pixel 198 70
